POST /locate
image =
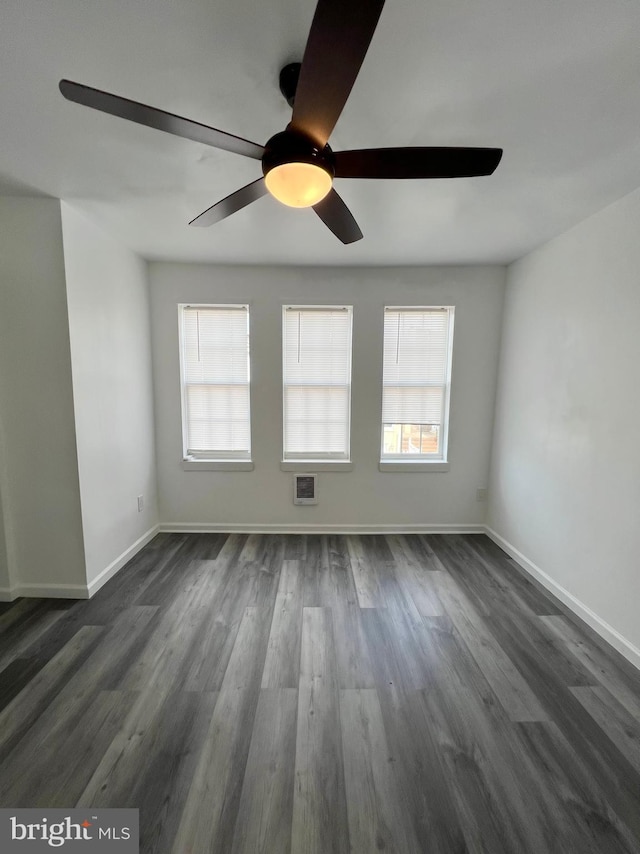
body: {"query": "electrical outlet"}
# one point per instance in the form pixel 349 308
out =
pixel 140 503
pixel 481 494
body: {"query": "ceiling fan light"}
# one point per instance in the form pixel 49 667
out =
pixel 298 185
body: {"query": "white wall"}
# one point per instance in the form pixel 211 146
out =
pixel 108 300
pixel 40 489
pixel 565 485
pixel 6 579
pixel 6 582
pixel 364 496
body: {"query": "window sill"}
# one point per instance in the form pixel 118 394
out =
pixel 315 465
pixel 217 465
pixel 413 465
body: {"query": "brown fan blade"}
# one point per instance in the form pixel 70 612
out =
pixel 336 216
pixel 338 41
pixel 416 162
pixel 159 119
pixel 230 204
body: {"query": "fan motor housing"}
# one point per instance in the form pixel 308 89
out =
pixel 289 146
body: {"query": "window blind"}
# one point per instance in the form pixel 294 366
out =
pixel 316 382
pixel 416 373
pixel 215 389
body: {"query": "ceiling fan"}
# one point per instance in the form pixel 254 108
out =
pixel 298 164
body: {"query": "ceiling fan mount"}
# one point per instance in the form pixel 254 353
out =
pixel 288 80
pixel 298 165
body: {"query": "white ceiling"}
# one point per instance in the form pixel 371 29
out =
pixel 556 84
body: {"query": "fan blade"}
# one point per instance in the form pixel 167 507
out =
pixel 338 41
pixel 230 204
pixel 159 119
pixel 336 216
pixel 416 162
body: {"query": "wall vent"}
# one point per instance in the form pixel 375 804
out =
pixel 305 489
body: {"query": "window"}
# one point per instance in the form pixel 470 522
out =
pixel 214 348
pixel 316 382
pixel 416 381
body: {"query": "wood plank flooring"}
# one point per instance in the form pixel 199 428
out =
pixel 290 694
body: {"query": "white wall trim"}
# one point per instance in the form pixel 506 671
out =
pixel 422 466
pixel 328 528
pixel 116 565
pixel 46 591
pixel 607 632
pixel 78 591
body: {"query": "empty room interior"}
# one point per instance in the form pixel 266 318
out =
pixel 320 426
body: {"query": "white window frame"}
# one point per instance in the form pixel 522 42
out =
pixel 418 461
pixel 213 459
pixel 325 461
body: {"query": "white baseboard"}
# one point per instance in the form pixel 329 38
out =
pixel 78 591
pixel 48 591
pixel 116 565
pixel 607 632
pixel 301 528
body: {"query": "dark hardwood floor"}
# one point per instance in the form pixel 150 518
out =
pixel 283 694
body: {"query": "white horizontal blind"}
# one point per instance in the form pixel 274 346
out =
pixel 316 382
pixel 416 378
pixel 215 374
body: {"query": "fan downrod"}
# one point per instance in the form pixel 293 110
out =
pixel 289 81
